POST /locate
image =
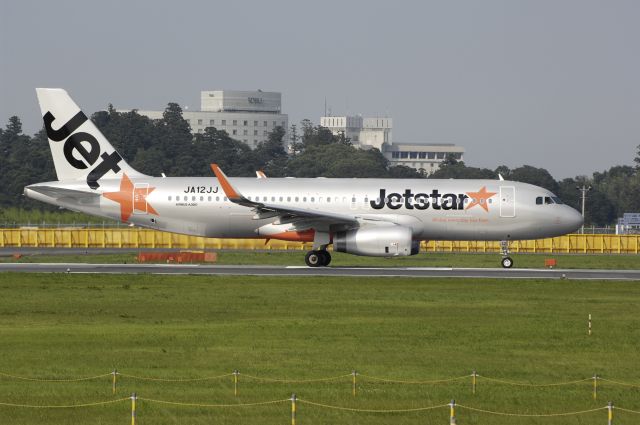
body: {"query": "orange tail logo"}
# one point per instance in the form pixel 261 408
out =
pixel 131 199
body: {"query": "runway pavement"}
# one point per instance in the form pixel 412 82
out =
pixel 199 269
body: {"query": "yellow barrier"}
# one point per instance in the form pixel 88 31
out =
pixel 145 238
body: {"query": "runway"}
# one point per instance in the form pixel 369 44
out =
pixel 415 272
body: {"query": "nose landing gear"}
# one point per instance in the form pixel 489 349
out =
pixel 507 262
pixel 317 258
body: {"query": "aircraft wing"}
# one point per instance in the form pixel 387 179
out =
pixel 285 213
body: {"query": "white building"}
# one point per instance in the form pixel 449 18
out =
pixel 427 157
pixel 363 132
pixel 247 116
pixel 377 133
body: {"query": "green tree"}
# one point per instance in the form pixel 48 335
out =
pixel 637 158
pixel 536 176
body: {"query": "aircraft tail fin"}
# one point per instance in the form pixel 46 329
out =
pixel 80 151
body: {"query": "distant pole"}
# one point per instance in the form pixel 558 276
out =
pixel 589 324
pixel 134 397
pixel 452 412
pixel 293 409
pixel 235 382
pixel 113 385
pixel 584 189
pixel 610 413
pixel 353 388
pixel 473 381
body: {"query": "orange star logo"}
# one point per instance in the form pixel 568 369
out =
pixel 131 198
pixel 480 198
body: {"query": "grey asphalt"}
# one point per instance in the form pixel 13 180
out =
pixel 200 269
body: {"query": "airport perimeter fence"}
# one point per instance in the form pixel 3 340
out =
pixel 352 377
pixel 136 238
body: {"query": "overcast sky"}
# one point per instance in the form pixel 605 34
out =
pixel 553 84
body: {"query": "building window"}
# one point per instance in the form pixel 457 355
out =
pixel 245 132
pixel 199 131
pixel 404 155
pixel 255 123
pixel 440 155
pixel 212 122
pixel 431 155
pixel 265 123
pixel 395 155
pixel 235 122
pixel 282 124
pixel 224 122
pixel 255 142
pixel 199 122
pixel 274 124
pixel 235 132
pixel 255 132
pixel 422 155
pixel 264 133
pixel 413 155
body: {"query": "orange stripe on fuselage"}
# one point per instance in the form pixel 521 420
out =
pixel 304 236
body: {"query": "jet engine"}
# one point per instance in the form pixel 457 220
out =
pixel 377 241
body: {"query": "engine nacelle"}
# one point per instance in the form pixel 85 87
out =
pixel 377 241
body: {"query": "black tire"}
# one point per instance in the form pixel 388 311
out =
pixel 507 262
pixel 327 260
pixel 313 259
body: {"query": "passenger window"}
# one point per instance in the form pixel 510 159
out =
pixel 281 199
pixel 264 199
pixel 312 199
pixel 169 197
pixel 193 198
pixel 304 199
pixel 539 200
pixel 297 199
pixel 353 200
pixel 217 199
pixel 288 198
pixel 209 199
pixel 328 199
pixel 201 198
pixel 225 199
pixel 273 199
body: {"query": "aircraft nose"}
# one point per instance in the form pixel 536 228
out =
pixel 574 219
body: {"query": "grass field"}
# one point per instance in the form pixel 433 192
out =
pixel 569 261
pixel 55 325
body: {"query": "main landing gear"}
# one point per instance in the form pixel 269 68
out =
pixel 507 262
pixel 319 258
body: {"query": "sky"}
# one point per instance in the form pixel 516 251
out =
pixel 549 83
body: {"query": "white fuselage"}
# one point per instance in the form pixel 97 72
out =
pixel 432 209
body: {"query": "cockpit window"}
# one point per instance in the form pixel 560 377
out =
pixel 557 200
pixel 547 200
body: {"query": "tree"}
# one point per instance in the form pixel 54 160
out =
pixel 536 176
pixel 637 158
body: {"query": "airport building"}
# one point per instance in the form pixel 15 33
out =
pixel 377 133
pixel 247 116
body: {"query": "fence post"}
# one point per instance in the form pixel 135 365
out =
pixel 589 324
pixel 474 377
pixel 113 385
pixel 134 397
pixel 235 382
pixel 595 387
pixel 353 386
pixel 452 413
pixel 609 413
pixel 293 409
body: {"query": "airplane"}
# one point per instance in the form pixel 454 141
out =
pixel 369 217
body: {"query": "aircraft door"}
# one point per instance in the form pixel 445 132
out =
pixel 140 193
pixel 507 201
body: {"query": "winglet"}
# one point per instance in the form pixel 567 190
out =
pixel 229 190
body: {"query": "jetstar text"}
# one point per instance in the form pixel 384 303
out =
pixel 419 201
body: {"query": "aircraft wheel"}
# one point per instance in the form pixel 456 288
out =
pixel 313 259
pixel 507 262
pixel 326 260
